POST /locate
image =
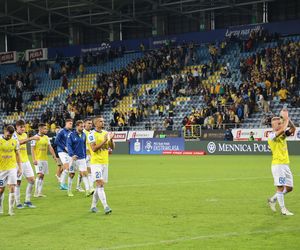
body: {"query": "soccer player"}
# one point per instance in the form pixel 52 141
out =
pixel 76 144
pixel 10 167
pixel 39 150
pixel 100 141
pixel 61 143
pixel 88 124
pixel 59 168
pixel 283 178
pixel 27 171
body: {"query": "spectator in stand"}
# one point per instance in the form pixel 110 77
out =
pixel 64 81
pixel 283 94
pixel 228 135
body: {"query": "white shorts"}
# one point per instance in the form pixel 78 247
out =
pixel 42 167
pixel 8 177
pixel 99 172
pixel 79 164
pixel 88 160
pixel 26 170
pixel 64 157
pixel 282 175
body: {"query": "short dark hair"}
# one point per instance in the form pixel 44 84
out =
pixel 9 128
pixel 68 120
pixel 87 119
pixel 42 125
pixel 79 122
pixel 20 123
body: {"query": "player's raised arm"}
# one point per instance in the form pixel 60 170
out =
pixel 111 143
pixel 292 129
pixel 32 138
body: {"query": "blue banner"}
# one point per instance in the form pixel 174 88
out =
pixel 155 146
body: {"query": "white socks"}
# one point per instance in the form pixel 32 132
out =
pixel 90 179
pixel 11 203
pixel 17 194
pixel 95 199
pixel 28 191
pixel 38 186
pixel 70 181
pixel 274 197
pixel 79 179
pixel 63 177
pixel 280 199
pixel 102 196
pixel 85 182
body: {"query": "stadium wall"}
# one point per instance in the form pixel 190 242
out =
pixel 284 28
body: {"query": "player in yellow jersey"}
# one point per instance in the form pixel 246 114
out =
pixel 27 171
pixel 39 152
pixel 10 167
pixel 100 140
pixel 283 178
pixel 88 124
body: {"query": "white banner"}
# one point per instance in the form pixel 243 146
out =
pixel 8 57
pixel 36 54
pixel 244 134
pixel 140 134
pixel 260 134
pixel 120 136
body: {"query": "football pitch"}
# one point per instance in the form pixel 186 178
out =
pixel 163 202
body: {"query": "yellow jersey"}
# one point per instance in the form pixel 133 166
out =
pixel 279 148
pixel 88 145
pixel 8 150
pixel 23 147
pixel 41 148
pixel 101 155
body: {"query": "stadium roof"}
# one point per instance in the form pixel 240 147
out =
pixel 22 18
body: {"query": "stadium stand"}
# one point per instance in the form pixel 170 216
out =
pixel 219 85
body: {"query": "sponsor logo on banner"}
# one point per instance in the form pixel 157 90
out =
pixel 255 147
pixel 211 147
pixel 8 57
pixel 244 134
pixel 36 54
pixel 243 31
pixel 155 145
pixel 120 136
pixel 102 47
pixel 140 134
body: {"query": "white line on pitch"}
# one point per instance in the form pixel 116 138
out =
pixel 201 237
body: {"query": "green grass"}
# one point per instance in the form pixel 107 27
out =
pixel 163 202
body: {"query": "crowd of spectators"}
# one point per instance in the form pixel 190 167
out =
pixel 268 76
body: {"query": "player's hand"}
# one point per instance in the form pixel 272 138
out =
pixel 74 157
pixel 111 135
pixel 19 173
pixel 35 162
pixel 35 138
pixel 284 114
